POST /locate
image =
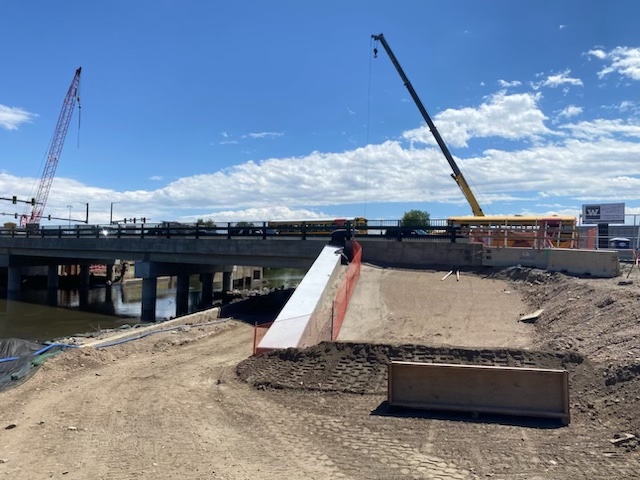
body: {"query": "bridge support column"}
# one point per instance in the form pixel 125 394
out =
pixel 182 294
pixel 226 282
pixel 13 283
pixel 52 285
pixel 108 294
pixel 83 275
pixel 206 279
pixel 149 294
pixel 109 273
pixel 52 277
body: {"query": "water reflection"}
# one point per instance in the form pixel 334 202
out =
pixel 282 277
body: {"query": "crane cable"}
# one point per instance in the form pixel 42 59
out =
pixel 366 170
pixel 79 112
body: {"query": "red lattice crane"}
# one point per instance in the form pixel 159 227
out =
pixel 55 150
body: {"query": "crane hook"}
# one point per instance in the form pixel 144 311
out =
pixel 375 53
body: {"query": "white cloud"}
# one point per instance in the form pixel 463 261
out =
pixel 260 214
pixel 12 117
pixel 625 61
pixel 508 116
pixel 561 27
pixel 264 134
pixel 598 160
pixel 570 111
pixel 506 84
pixel 558 79
pixel 598 53
pixel 594 160
pixel 155 178
pixel 603 128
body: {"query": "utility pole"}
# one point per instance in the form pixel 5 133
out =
pixel 111 213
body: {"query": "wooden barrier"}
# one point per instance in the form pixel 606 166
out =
pixel 480 389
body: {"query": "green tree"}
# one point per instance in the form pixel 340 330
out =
pixel 206 223
pixel 416 218
pixel 244 224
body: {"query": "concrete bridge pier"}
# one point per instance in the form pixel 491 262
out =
pixel 52 285
pixel 206 279
pixel 182 294
pixel 109 273
pixel 14 282
pixel 149 297
pixel 150 271
pixel 83 277
pixel 226 281
pixel 52 277
pixel 108 294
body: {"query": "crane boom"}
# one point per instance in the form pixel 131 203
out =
pixel 457 174
pixel 55 150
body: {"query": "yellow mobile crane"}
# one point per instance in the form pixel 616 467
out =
pixel 457 174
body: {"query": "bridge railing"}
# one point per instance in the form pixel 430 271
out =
pixel 391 230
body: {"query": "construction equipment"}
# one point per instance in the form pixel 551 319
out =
pixel 33 219
pixel 457 174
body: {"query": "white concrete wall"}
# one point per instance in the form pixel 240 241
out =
pixel 291 324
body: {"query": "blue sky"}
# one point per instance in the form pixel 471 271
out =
pixel 253 110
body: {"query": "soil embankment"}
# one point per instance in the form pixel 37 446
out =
pixel 188 404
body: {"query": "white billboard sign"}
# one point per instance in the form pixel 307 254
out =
pixel 603 213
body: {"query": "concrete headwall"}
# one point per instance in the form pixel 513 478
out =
pixel 417 254
pixel 595 263
pixel 420 254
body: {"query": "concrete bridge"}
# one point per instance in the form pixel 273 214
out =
pixel 154 257
pixel 183 256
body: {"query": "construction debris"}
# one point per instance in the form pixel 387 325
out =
pixel 447 275
pixel 625 437
pixel 532 317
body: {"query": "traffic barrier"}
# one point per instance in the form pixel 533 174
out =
pixel 518 391
pixel 323 324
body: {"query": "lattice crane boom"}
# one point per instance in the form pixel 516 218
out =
pixel 55 150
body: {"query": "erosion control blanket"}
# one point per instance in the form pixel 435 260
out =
pixel 15 359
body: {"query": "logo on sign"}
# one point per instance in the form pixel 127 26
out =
pixel 593 211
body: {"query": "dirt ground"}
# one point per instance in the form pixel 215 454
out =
pixel 192 405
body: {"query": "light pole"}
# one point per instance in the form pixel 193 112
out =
pixel 111 213
pixel 69 207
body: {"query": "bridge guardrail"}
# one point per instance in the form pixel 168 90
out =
pixel 384 229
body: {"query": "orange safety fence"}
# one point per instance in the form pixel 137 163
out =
pixel 259 331
pixel 345 290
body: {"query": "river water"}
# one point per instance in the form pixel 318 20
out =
pixel 33 317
